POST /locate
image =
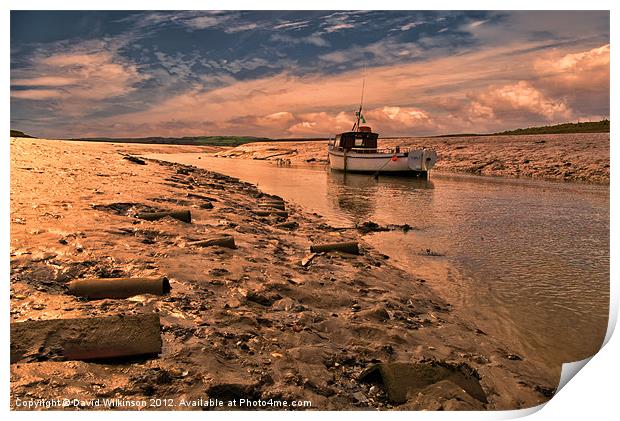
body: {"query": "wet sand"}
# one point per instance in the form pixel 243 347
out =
pixel 566 157
pixel 247 322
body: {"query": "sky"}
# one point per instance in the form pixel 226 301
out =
pixel 300 73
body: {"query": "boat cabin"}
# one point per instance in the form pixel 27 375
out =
pixel 362 139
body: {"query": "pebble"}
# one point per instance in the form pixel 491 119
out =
pixel 360 397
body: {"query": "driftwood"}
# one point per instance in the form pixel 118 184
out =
pixel 184 216
pixel 118 287
pixel 225 241
pixel 86 339
pixel 350 247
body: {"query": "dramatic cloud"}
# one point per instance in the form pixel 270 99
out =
pixel 300 73
pixel 77 81
pixel 522 97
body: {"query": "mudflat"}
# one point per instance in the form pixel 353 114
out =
pixel 566 157
pixel 263 320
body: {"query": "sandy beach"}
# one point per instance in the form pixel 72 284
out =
pixel 562 157
pixel 266 320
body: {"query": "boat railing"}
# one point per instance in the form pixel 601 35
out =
pixel 382 150
pixel 393 150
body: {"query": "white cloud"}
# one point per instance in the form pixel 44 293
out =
pixel 478 23
pixel 314 39
pixel 292 25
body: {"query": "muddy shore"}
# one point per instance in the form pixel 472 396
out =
pixel 251 322
pixel 564 157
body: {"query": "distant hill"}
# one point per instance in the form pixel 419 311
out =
pixel 586 127
pixel 196 140
pixel 17 133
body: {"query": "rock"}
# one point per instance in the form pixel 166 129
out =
pixel 285 304
pixel 403 379
pixel 379 314
pixel 442 396
pixel 369 226
pixel 288 225
pixel 233 391
pixel 135 159
pixel 307 259
pixel 360 397
pixel 262 298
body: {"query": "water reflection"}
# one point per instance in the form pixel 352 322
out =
pixel 356 195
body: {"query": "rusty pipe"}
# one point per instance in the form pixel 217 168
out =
pixel 118 287
pixel 350 247
pixel 86 338
pixel 225 241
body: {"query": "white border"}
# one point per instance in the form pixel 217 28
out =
pixel 592 393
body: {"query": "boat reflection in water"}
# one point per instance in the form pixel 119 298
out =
pixel 356 195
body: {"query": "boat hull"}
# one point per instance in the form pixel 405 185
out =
pixel 398 163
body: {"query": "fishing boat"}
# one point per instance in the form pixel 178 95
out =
pixel 357 151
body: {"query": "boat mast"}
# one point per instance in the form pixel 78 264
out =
pixel 356 126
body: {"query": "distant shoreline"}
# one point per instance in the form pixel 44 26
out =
pixel 602 126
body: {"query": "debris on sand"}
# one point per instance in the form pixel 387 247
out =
pixel 350 247
pixel 370 226
pixel 201 197
pixel 432 253
pixel 227 241
pixel 263 298
pixel 118 287
pixel 125 208
pixel 272 205
pixel 227 392
pixel 268 212
pixel 308 259
pixel 135 159
pixel 290 225
pixel 86 338
pixel 184 216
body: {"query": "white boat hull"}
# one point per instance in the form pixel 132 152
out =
pixel 415 161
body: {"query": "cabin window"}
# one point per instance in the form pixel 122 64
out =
pixel 359 142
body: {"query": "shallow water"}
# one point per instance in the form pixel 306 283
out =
pixel 527 261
